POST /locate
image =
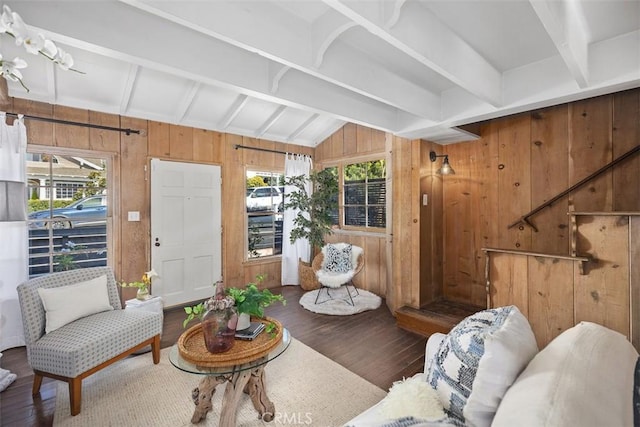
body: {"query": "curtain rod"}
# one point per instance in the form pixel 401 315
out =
pixel 259 149
pixel 87 125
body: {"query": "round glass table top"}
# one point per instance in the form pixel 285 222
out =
pixel 184 365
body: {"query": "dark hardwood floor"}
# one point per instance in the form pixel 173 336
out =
pixel 369 344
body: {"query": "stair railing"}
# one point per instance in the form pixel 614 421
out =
pixel 524 220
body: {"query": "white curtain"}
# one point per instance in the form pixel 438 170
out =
pixel 294 165
pixel 13 229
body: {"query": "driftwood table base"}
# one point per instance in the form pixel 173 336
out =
pixel 250 381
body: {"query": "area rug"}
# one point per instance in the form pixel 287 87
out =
pixel 306 388
pixel 338 305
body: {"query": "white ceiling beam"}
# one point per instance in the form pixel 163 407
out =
pixel 187 100
pixel 392 12
pixel 325 30
pixel 233 112
pixel 427 40
pixel 562 22
pixel 271 121
pixel 121 32
pixel 302 127
pixel 127 92
pixel 257 27
pixel 276 72
pixel 615 60
pixel 52 92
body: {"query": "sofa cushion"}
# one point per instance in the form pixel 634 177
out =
pixel 65 304
pixel 584 377
pixel 92 340
pixel 478 360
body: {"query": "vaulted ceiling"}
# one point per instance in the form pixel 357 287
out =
pixel 295 71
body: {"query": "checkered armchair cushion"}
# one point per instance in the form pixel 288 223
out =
pixel 88 341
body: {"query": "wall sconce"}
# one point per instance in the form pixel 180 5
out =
pixel 12 201
pixel 446 168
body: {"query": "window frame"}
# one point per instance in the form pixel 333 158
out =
pixel 248 214
pixel 340 165
pixel 111 228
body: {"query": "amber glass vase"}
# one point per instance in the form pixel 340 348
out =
pixel 219 322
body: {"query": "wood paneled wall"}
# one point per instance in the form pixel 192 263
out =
pixel 402 264
pixel 356 142
pixel 427 252
pixel 131 154
pixel 524 160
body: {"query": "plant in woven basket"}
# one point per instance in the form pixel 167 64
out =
pixel 316 210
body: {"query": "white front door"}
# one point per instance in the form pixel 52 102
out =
pixel 186 230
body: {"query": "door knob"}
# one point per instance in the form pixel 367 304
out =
pixel 157 242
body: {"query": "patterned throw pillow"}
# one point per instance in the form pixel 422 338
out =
pixel 478 361
pixel 337 260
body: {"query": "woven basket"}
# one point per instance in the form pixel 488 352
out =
pixel 192 347
pixel 308 279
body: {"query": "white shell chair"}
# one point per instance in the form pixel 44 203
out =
pixel 334 280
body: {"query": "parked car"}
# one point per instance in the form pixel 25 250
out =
pixel 85 212
pixel 264 199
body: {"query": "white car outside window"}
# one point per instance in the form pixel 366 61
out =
pixel 264 199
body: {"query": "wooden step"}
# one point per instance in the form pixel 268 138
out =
pixel 439 316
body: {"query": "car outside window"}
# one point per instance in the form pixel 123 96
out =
pixel 66 234
pixel 264 205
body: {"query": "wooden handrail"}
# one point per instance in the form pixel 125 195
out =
pixel 581 259
pixel 537 254
pixel 524 220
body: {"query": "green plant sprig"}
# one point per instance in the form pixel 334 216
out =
pixel 192 313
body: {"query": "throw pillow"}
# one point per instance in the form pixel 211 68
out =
pixel 479 360
pixel 412 397
pixel 65 304
pixel 584 377
pixel 337 260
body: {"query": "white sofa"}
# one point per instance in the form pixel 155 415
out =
pixel 585 377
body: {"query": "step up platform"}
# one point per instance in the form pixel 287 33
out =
pixel 438 316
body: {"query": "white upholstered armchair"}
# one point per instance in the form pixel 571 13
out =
pixel 74 326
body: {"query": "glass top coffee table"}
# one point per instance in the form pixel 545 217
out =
pixel 246 377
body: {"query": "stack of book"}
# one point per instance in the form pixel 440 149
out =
pixel 251 332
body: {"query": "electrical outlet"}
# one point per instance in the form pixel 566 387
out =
pixel 134 216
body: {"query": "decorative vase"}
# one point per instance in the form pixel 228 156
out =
pixel 244 321
pixel 219 322
pixel 143 293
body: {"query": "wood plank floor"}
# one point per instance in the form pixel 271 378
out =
pixel 369 344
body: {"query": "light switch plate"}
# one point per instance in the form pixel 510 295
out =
pixel 425 199
pixel 134 216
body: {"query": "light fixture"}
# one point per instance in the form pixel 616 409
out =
pixel 12 201
pixel 446 168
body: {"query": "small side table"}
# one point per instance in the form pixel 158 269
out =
pixel 152 304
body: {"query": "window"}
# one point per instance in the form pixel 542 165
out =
pixel 264 202
pixel 363 201
pixel 66 190
pixel 67 209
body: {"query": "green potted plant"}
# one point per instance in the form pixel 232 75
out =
pixel 314 219
pixel 249 301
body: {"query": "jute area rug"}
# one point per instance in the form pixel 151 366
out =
pixel 306 388
pixel 337 305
